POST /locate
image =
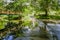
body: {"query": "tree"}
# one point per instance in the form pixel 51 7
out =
pixel 45 5
pixel 1 6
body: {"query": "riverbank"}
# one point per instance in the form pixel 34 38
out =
pixel 51 21
pixel 53 17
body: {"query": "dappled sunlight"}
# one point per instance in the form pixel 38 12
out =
pixel 29 20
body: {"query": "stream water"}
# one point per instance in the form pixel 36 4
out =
pixel 53 29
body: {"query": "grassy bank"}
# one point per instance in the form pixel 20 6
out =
pixel 55 17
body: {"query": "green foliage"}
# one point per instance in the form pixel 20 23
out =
pixel 3 21
pixel 1 5
pixel 45 5
pixel 17 6
pixel 29 8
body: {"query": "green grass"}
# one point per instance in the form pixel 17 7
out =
pixel 2 24
pixel 56 17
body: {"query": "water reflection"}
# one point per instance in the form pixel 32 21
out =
pixel 54 30
pixel 9 37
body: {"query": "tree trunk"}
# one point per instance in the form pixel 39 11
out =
pixel 0 11
pixel 46 12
